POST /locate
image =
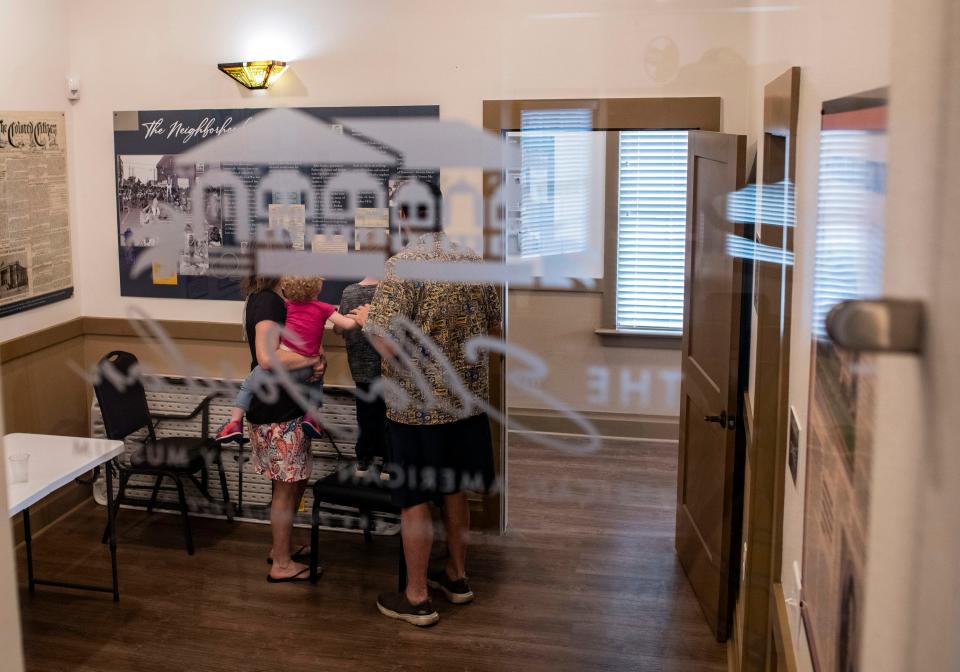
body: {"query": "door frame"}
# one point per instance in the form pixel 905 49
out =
pixel 910 616
pixel 936 619
pixel 607 114
pixel 768 402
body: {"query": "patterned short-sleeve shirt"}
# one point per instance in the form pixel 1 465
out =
pixel 433 381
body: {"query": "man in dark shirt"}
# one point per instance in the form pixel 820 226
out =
pixel 364 364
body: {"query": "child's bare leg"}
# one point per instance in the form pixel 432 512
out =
pixel 236 415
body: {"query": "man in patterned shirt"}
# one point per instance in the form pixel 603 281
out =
pixel 438 438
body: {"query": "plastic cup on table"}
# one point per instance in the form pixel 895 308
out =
pixel 18 467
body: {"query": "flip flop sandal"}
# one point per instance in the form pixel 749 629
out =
pixel 302 575
pixel 302 554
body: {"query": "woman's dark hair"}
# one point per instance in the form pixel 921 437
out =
pixel 254 283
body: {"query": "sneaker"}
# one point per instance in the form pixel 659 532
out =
pixel 312 429
pixel 457 592
pixel 231 430
pixel 396 605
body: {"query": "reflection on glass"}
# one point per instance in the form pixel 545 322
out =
pixel 555 181
pixel 849 238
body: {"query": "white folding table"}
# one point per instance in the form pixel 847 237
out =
pixel 55 461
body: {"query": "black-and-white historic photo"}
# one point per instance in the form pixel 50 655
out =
pixel 153 191
pixel 14 277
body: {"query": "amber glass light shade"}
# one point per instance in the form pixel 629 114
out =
pixel 255 74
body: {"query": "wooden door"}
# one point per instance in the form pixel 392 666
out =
pixel 708 402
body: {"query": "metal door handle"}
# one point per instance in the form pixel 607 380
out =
pixel 724 420
pixel 881 325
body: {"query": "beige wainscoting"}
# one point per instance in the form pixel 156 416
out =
pixel 45 393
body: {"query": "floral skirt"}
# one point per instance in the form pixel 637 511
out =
pixel 281 451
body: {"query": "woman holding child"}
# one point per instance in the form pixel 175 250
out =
pixel 279 434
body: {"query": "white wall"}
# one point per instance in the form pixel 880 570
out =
pixel 455 54
pixel 33 51
pixel 842 48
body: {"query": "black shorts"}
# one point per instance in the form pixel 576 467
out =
pixel 427 462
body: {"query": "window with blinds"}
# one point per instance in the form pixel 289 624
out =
pixel 651 231
pixel 556 165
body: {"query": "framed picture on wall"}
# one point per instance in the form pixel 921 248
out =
pixel 167 159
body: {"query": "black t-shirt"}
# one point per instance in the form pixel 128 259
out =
pixel 267 305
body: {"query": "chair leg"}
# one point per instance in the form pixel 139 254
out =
pixel 224 491
pixel 124 477
pixel 203 485
pixel 366 519
pixel 183 513
pixel 153 495
pixel 315 543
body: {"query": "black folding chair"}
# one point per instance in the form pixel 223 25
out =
pixel 366 493
pixel 123 405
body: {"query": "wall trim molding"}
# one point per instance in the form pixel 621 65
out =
pixel 221 332
pixel 685 112
pixel 620 425
pixel 41 339
pixel 780 625
pixel 177 329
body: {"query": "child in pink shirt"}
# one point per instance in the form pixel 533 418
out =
pixel 306 319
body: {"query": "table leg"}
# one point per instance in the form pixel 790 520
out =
pixel 111 527
pixel 28 541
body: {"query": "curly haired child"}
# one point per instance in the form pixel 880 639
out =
pixel 306 320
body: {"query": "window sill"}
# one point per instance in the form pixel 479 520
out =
pixel 622 338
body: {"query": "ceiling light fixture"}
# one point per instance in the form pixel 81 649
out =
pixel 255 74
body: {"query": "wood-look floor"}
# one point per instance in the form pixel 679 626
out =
pixel 586 579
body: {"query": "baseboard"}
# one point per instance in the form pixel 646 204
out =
pixel 620 425
pixel 780 627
